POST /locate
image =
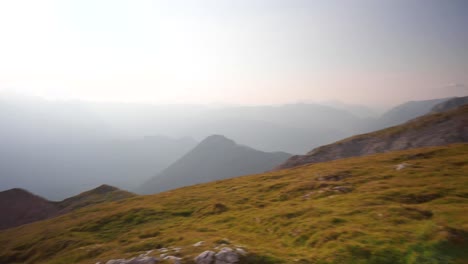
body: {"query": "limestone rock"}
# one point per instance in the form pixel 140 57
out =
pixel 205 257
pixel 226 256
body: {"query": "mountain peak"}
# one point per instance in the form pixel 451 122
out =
pixel 215 158
pixel 217 140
pixel 104 188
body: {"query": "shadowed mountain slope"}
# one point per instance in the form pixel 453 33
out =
pixel 215 158
pixel 20 207
pixel 429 130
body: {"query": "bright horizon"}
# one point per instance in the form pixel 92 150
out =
pixel 235 52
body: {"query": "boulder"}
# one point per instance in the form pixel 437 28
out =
pixel 206 257
pixel 226 256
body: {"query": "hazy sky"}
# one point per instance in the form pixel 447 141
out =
pixel 238 51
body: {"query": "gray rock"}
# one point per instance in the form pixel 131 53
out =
pixel 143 260
pixel 343 189
pixel 205 257
pixel 226 256
pixel 137 260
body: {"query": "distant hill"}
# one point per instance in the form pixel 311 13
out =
pixel 450 104
pixel 215 158
pixel 357 210
pixel 429 130
pixel 19 207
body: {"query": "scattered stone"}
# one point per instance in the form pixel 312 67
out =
pixel 205 257
pixel 226 256
pixel 163 255
pixel 163 250
pixel 343 189
pixel 177 249
pixel 241 251
pixel 137 260
pixel 335 177
pixel 198 244
pixel 401 166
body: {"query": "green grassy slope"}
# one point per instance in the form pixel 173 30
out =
pixel 356 210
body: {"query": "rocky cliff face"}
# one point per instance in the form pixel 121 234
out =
pixel 430 130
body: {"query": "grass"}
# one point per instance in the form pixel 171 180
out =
pixel 416 215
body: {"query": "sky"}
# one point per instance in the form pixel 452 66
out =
pixel 235 52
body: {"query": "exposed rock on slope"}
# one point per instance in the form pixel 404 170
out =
pixel 430 130
pixel 215 158
pixel 19 207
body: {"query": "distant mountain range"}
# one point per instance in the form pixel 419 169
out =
pixel 215 158
pixel 434 129
pixel 19 206
pixel 405 112
pixel 57 149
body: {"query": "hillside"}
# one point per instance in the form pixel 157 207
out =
pixel 429 130
pixel 215 158
pixel 450 104
pixel 358 210
pixel 20 207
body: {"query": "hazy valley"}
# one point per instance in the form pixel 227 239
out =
pixel 234 132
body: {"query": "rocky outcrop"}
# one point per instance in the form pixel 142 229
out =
pixel 430 130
